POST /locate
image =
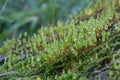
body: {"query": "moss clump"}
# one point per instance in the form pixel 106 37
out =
pixel 78 49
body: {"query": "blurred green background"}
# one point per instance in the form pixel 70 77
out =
pixel 18 16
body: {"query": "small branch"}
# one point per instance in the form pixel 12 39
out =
pixel 7 73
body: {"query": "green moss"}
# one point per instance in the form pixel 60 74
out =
pixel 78 49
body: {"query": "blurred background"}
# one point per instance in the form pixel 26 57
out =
pixel 18 16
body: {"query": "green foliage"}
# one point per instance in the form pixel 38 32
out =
pixel 28 15
pixel 86 49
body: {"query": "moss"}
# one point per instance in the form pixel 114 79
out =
pixel 82 48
